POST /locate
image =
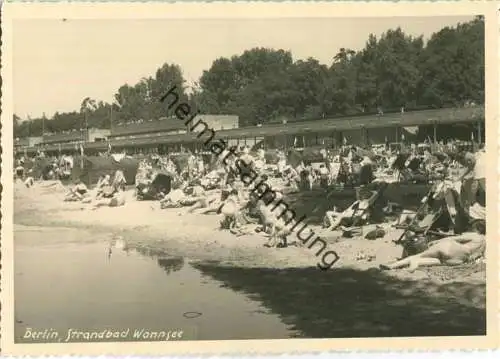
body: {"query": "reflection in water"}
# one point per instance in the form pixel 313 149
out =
pixel 118 243
pixel 53 282
pixel 345 302
pixel 168 264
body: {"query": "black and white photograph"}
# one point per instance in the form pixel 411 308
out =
pixel 218 178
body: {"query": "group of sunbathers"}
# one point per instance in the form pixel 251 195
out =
pixel 106 192
pixel 218 190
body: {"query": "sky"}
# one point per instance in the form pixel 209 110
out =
pixel 56 63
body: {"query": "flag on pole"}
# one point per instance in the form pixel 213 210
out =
pixel 345 140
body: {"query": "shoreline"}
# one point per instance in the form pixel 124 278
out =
pixel 197 237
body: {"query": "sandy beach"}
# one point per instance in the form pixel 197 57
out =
pixel 351 299
pixel 196 236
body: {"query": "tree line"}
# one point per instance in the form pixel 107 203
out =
pixel 264 85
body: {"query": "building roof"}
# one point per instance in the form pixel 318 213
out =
pixel 62 137
pixel 166 124
pixel 416 118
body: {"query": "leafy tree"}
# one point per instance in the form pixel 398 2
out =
pixel 453 65
pixel 264 85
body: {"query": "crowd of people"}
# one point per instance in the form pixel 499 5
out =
pixel 203 185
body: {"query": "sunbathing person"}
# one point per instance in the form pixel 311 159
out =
pixel 292 178
pixel 19 172
pixel 306 178
pixel 116 200
pixel 274 226
pixel 323 176
pixel 102 186
pixel 209 204
pixel 229 210
pixel 357 213
pixel 330 217
pixel 173 199
pixel 450 251
pixel 119 180
pixel 78 192
pixel 103 181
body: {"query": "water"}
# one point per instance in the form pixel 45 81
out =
pixel 65 278
pixel 68 279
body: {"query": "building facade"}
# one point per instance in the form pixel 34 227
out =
pixel 27 142
pixel 411 127
pixel 76 137
pixel 218 122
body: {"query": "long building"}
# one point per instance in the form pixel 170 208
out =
pixel 76 137
pixel 436 125
pixel 169 126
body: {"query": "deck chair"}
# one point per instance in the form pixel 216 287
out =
pixel 422 227
pixel 356 210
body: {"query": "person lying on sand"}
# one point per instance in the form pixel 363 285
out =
pixel 450 251
pixel 212 203
pixel 172 199
pixel 78 192
pixel 117 200
pixel 209 204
